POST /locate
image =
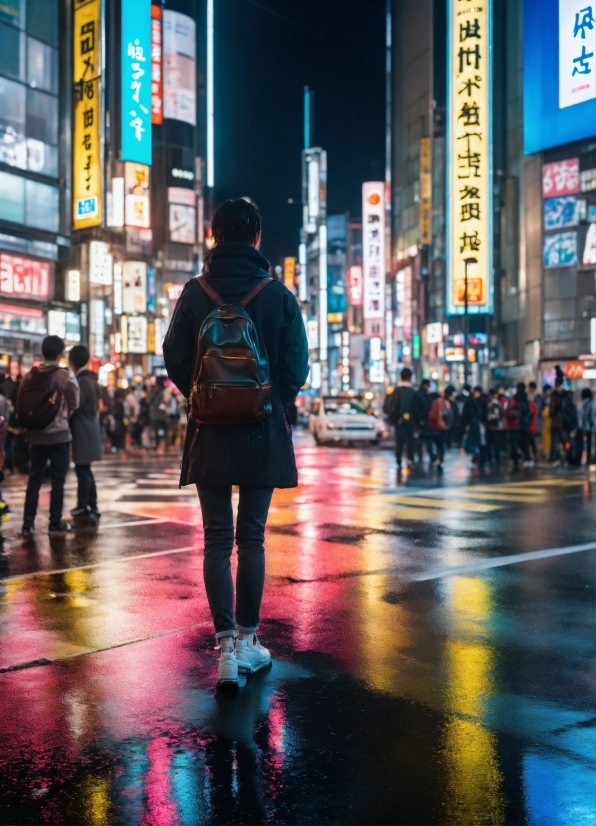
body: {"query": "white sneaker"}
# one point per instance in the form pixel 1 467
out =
pixel 228 667
pixel 251 656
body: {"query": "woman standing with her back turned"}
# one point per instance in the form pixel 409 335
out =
pixel 257 457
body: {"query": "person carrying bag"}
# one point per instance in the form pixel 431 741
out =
pixel 237 349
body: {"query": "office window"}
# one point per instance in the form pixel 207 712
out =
pixel 42 158
pixel 12 202
pixel 42 66
pixel 13 149
pixel 42 20
pixel 10 51
pixel 42 117
pixel 42 206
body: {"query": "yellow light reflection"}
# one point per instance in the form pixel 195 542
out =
pixel 94 795
pixel 474 777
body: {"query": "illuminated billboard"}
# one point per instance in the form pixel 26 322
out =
pixel 137 202
pixel 24 277
pixel 559 72
pixel 179 53
pixel 373 249
pixel 87 114
pixel 136 81
pixel 156 66
pixel 469 180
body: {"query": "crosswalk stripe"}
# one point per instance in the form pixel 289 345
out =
pixel 505 497
pixel 445 504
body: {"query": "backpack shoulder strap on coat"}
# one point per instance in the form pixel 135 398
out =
pixel 255 291
pixel 213 295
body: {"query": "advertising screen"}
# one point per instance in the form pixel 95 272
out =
pixel 182 224
pixel 134 287
pixel 559 72
pixel 179 52
pixel 137 203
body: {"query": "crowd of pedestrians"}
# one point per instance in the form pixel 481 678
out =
pixel 521 426
pixel 58 413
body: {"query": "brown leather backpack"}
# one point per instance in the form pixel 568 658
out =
pixel 232 378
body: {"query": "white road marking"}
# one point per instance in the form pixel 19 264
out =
pixel 46 661
pixel 118 559
pixel 499 561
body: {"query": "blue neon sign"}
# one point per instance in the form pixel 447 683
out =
pixel 553 61
pixel 136 81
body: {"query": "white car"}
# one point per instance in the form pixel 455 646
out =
pixel 336 419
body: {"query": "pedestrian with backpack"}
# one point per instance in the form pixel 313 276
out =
pixel 48 396
pixel 400 416
pixel 517 419
pixel 440 420
pixel 237 349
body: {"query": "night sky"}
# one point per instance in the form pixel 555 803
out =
pixel 266 51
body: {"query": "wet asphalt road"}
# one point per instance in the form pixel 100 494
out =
pixel 432 663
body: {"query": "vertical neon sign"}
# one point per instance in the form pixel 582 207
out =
pixel 469 211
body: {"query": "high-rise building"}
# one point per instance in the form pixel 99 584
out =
pixel 35 188
pixel 493 192
pixel 103 129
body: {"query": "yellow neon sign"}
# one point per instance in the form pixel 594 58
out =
pixel 87 114
pixel 469 145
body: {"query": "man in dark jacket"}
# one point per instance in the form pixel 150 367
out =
pixel 52 444
pixel 257 457
pixel 400 416
pixel 86 433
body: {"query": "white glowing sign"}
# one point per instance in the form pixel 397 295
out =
pixel 577 51
pixel 373 249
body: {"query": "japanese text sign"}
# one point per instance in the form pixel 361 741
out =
pixel 24 278
pixel 373 249
pixel 156 65
pixel 470 195
pixel 87 114
pixel 136 81
pixel 560 178
pixel 577 51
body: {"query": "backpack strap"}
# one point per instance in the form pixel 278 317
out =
pixel 255 291
pixel 213 295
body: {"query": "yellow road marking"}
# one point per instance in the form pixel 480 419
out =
pixel 505 497
pixel 440 503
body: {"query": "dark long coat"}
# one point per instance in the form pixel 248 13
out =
pixel 84 423
pixel 255 455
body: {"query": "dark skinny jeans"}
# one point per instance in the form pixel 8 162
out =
pixel 218 522
pixel 39 455
pixel 86 490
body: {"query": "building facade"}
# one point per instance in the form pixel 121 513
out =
pixel 529 292
pixel 102 162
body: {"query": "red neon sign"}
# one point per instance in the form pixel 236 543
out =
pixel 24 277
pixel 156 66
